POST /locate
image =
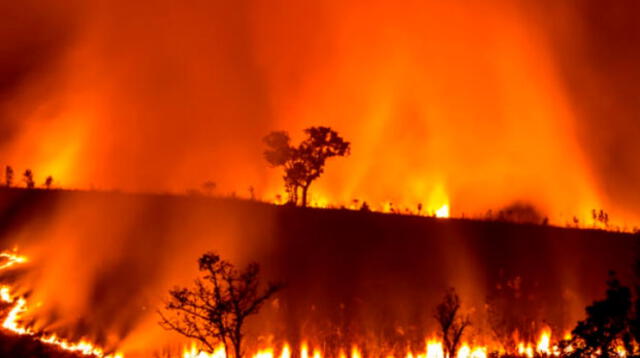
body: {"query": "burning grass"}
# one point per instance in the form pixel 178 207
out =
pixel 18 306
pixel 547 344
pixel 415 250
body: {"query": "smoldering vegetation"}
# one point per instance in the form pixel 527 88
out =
pixel 101 264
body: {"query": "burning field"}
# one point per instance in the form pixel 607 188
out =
pixel 341 178
pixel 356 283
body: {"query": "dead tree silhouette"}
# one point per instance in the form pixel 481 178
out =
pixel 214 310
pixel 452 326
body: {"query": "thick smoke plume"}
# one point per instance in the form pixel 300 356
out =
pixel 488 102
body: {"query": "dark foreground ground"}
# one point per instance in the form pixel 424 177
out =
pixel 13 346
pixel 340 267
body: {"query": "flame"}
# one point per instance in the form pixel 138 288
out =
pixel 286 351
pixel 466 351
pixel 525 349
pixel 544 342
pixel 265 353
pixel 434 349
pixel 12 321
pixel 194 352
pixel 434 346
pixel 355 352
pixel 443 212
pixel 11 260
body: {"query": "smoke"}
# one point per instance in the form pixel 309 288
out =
pixel 494 102
pixel 101 264
pixel 479 104
pixel 597 56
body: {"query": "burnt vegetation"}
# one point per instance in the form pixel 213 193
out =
pixel 404 239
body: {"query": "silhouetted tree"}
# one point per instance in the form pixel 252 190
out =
pixel 216 308
pixel 209 186
pixel 305 163
pixel 452 326
pixel 8 176
pixel 576 221
pixel 48 182
pixel 601 217
pixel 365 207
pixel 608 324
pixel 28 179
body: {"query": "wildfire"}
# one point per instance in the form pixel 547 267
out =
pixel 12 321
pixel 11 259
pixel 443 212
pixel 544 342
pixel 466 352
pixel 434 348
pixel 194 352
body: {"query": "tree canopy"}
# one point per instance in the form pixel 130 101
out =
pixel 303 163
pixel 215 309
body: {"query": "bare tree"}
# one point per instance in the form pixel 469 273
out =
pixel 8 176
pixel 28 179
pixel 305 163
pixel 216 308
pixel 451 325
pixel 48 182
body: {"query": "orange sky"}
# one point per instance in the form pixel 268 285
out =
pixel 487 102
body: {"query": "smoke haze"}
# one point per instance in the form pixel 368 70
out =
pixel 488 102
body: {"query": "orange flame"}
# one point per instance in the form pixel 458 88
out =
pixel 12 321
pixel 434 347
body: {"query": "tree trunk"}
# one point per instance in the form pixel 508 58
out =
pixel 305 188
pixel 226 348
pixel 237 341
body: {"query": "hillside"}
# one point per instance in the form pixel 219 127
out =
pixel 386 269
